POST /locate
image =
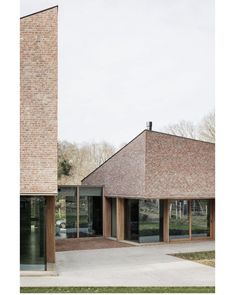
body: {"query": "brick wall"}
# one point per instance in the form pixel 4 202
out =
pixel 38 102
pixel 177 167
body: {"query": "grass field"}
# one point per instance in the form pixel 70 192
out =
pixel 117 290
pixel 205 257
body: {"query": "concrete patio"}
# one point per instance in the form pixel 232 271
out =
pixel 130 266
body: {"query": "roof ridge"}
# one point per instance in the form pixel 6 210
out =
pixel 179 136
pixel 39 11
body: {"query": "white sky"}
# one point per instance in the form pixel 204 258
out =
pixel 125 62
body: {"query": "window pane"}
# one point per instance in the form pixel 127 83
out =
pixel 83 217
pixel 132 220
pixel 66 213
pixel 150 221
pixel 179 219
pixel 32 233
pixel 200 218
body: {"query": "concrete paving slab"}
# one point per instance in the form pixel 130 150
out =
pixel 130 266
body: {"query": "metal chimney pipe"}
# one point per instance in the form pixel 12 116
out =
pixel 149 125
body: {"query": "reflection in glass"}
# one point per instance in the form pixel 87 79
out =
pixel 150 221
pixel 179 219
pixel 144 220
pixel 66 213
pixel 32 233
pixel 200 218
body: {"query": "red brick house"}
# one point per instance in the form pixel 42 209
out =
pixel 159 187
pixel 163 186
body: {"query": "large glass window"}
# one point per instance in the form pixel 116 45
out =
pixel 200 218
pixel 90 212
pixel 143 220
pixel 150 221
pixel 132 220
pixel 179 219
pixel 66 213
pixel 32 233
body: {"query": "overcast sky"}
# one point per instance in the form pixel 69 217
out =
pixel 125 62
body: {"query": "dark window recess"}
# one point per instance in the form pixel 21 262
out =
pixel 90 216
pixel 32 233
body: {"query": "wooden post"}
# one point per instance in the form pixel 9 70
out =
pixel 50 229
pixel 190 218
pixel 106 217
pixel 212 219
pixel 120 219
pixel 78 197
pixel 166 220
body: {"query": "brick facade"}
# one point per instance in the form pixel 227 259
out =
pixel 178 167
pixel 158 165
pixel 38 102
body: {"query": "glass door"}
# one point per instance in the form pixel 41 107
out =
pixel 32 233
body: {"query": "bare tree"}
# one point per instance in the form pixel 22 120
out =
pixel 206 128
pixel 77 161
pixel 183 128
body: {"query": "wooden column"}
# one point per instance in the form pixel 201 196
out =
pixel 190 218
pixel 78 197
pixel 50 229
pixel 120 219
pixel 166 220
pixel 212 219
pixel 106 217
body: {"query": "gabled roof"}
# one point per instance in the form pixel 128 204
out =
pixel 156 164
pixel 146 130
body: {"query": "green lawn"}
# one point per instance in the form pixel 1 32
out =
pixel 117 289
pixel 205 257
